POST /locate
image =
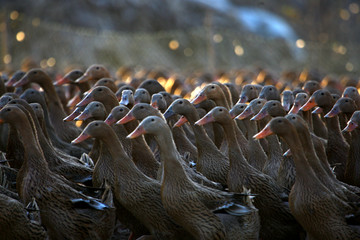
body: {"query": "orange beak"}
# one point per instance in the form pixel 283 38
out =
pixel 110 120
pixel 208 118
pixel 80 138
pixel 83 116
pixel 309 104
pixel 62 81
pixel 88 99
pixel 24 80
pixel 83 78
pixel 264 133
pixel 154 105
pixel 181 121
pixel 199 98
pixel 129 117
pixel 246 113
pixel 263 113
pixel 137 132
pixel 334 111
pixel 73 115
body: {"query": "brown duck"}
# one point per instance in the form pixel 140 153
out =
pixel 274 214
pixel 135 191
pixel 177 190
pixel 57 201
pixel 318 210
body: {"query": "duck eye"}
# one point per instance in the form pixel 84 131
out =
pixel 121 109
pixel 322 93
pixel 258 102
pixel 220 110
pixel 105 81
pixel 96 124
pixel 35 72
pixel 97 68
pixel 152 119
pixel 8 109
pixel 143 92
pixel 180 102
pixel 279 121
pixel 142 107
pixel 97 105
pixel 353 90
pixel 270 89
pixel 346 100
pixel 293 117
pixel 274 104
pixel 251 88
pixel 100 89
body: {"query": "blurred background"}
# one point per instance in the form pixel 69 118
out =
pixel 183 36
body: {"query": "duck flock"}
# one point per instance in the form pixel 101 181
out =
pixel 91 156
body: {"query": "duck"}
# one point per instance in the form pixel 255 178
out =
pixel 65 130
pixel 141 95
pixel 141 153
pixel 137 193
pixel 242 174
pixel 337 149
pixel 272 108
pixel 318 126
pixel 108 99
pixel 16 77
pixel 249 92
pixel 152 86
pixel 71 169
pixel 106 82
pixel 118 93
pixel 127 98
pixel 57 201
pixel 15 222
pixel 214 92
pixel 178 190
pixel 320 167
pixel 352 93
pixel 256 154
pixel 269 92
pixel 143 110
pixel 319 211
pixel 287 99
pixel 211 162
pixel 34 96
pixel 93 74
pixel 233 88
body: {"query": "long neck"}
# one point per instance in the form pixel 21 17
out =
pixel 51 95
pixel 236 156
pixel 221 101
pixel 33 155
pixel 119 156
pixel 202 140
pixel 170 157
pixel 303 170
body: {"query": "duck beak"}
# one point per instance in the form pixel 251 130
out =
pixel 137 132
pixel 350 126
pixel 129 117
pixel 295 108
pixel 334 111
pixel 83 116
pixel 124 100
pixel 181 121
pixel 199 98
pixel 317 110
pixel 263 113
pixel 10 82
pixel 208 118
pixel 83 78
pixel 72 102
pixel 82 137
pixel 243 99
pixel 110 120
pixel 246 113
pixel 286 105
pixel 154 105
pixel 62 81
pixel 264 133
pixel 309 104
pixel 287 153
pixel 88 99
pixel 169 112
pixel 73 115
pixel 24 80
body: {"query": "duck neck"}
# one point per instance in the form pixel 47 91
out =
pixel 203 141
pixel 221 101
pixel 170 157
pixel 33 156
pixel 236 156
pixel 51 95
pixel 303 170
